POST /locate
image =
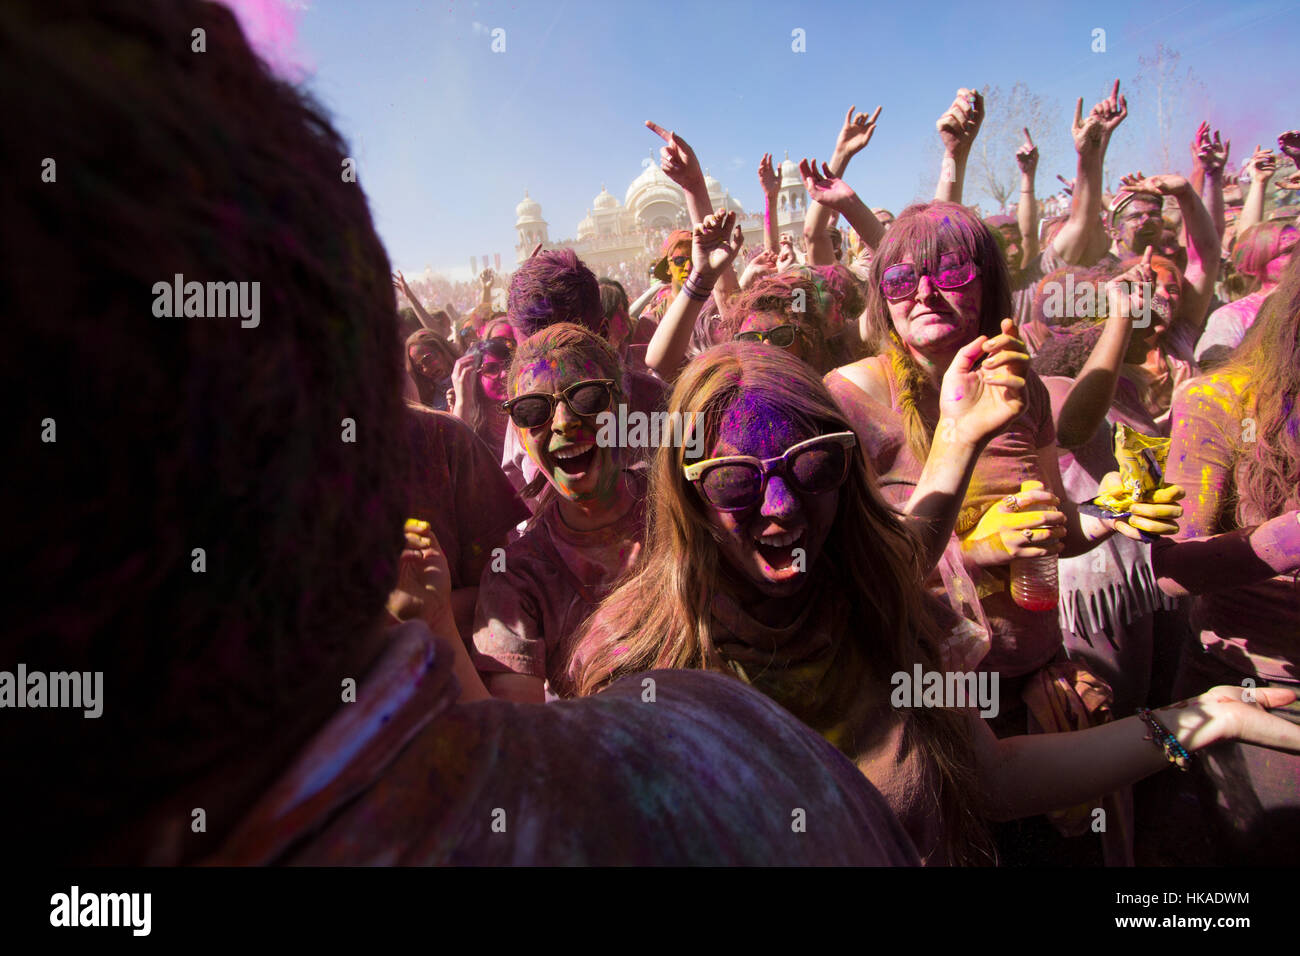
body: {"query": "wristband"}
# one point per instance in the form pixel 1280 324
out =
pixel 1175 752
pixel 694 291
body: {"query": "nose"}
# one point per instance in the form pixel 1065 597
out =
pixel 564 421
pixel 779 501
pixel 924 287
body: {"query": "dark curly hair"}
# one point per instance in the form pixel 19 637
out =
pixel 178 434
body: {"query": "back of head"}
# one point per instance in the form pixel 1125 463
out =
pixel 210 513
pixel 553 286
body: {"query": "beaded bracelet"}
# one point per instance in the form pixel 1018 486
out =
pixel 694 292
pixel 1175 752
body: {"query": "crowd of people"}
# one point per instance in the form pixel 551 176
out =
pixel 455 604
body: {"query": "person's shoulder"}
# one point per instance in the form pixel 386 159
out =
pixel 867 376
pixel 1216 388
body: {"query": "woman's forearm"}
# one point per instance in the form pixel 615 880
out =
pixel 1228 560
pixel 937 499
pixel 1027 218
pixel 1022 776
pixel 666 352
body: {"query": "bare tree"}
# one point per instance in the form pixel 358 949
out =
pixel 993 169
pixel 1170 91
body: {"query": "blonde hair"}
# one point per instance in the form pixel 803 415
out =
pixel 659 613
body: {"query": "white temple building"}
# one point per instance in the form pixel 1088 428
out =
pixel 615 234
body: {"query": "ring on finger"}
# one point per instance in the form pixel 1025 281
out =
pixel 1010 503
pixel 1029 534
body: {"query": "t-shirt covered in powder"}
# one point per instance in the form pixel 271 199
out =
pixel 554 576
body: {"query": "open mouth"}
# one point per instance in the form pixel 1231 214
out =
pixel 778 550
pixel 574 460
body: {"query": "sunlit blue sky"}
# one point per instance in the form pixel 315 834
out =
pixel 448 134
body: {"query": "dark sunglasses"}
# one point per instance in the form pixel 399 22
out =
pixel 739 482
pixel 680 261
pixel 901 280
pixel 586 399
pixel 782 336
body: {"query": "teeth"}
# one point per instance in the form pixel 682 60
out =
pixel 780 540
pixel 572 451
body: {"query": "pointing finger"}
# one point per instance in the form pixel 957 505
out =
pixel 658 131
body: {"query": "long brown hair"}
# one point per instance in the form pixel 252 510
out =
pixel 1268 469
pixel 926 231
pixel 659 614
pixel 426 386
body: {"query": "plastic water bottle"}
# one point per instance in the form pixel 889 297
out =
pixel 1033 583
pixel 1034 580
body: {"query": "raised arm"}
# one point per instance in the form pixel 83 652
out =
pixel 1203 243
pixel 1083 230
pixel 679 163
pixel 835 195
pixel 1263 164
pixel 769 179
pixel 1027 211
pixel 853 137
pixel 399 283
pixel 1090 397
pixel 714 244
pixel 958 127
pixel 1209 159
pixel 975 404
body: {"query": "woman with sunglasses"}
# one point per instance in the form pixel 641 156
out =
pixel 587 527
pixel 774 558
pixel 938 281
pixel 478 383
pixel 786 312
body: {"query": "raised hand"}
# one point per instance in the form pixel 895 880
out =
pixel 763 264
pixel 399 283
pixel 462 383
pixel 1129 294
pixel 486 278
pixel 824 187
pixel 1289 143
pixel 1027 155
pixel 1263 164
pixel 786 257
pixel 1111 111
pixel 1211 154
pixel 676 158
pixel 1067 184
pixel 714 244
pixel 980 402
pixel 424 578
pixel 960 124
pixel 856 133
pixel 1168 184
pixel 769 176
pixel 1291 182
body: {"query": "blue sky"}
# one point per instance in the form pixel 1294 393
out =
pixel 448 134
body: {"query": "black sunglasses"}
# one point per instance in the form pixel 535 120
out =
pixel 782 336
pixel 587 398
pixel 738 482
